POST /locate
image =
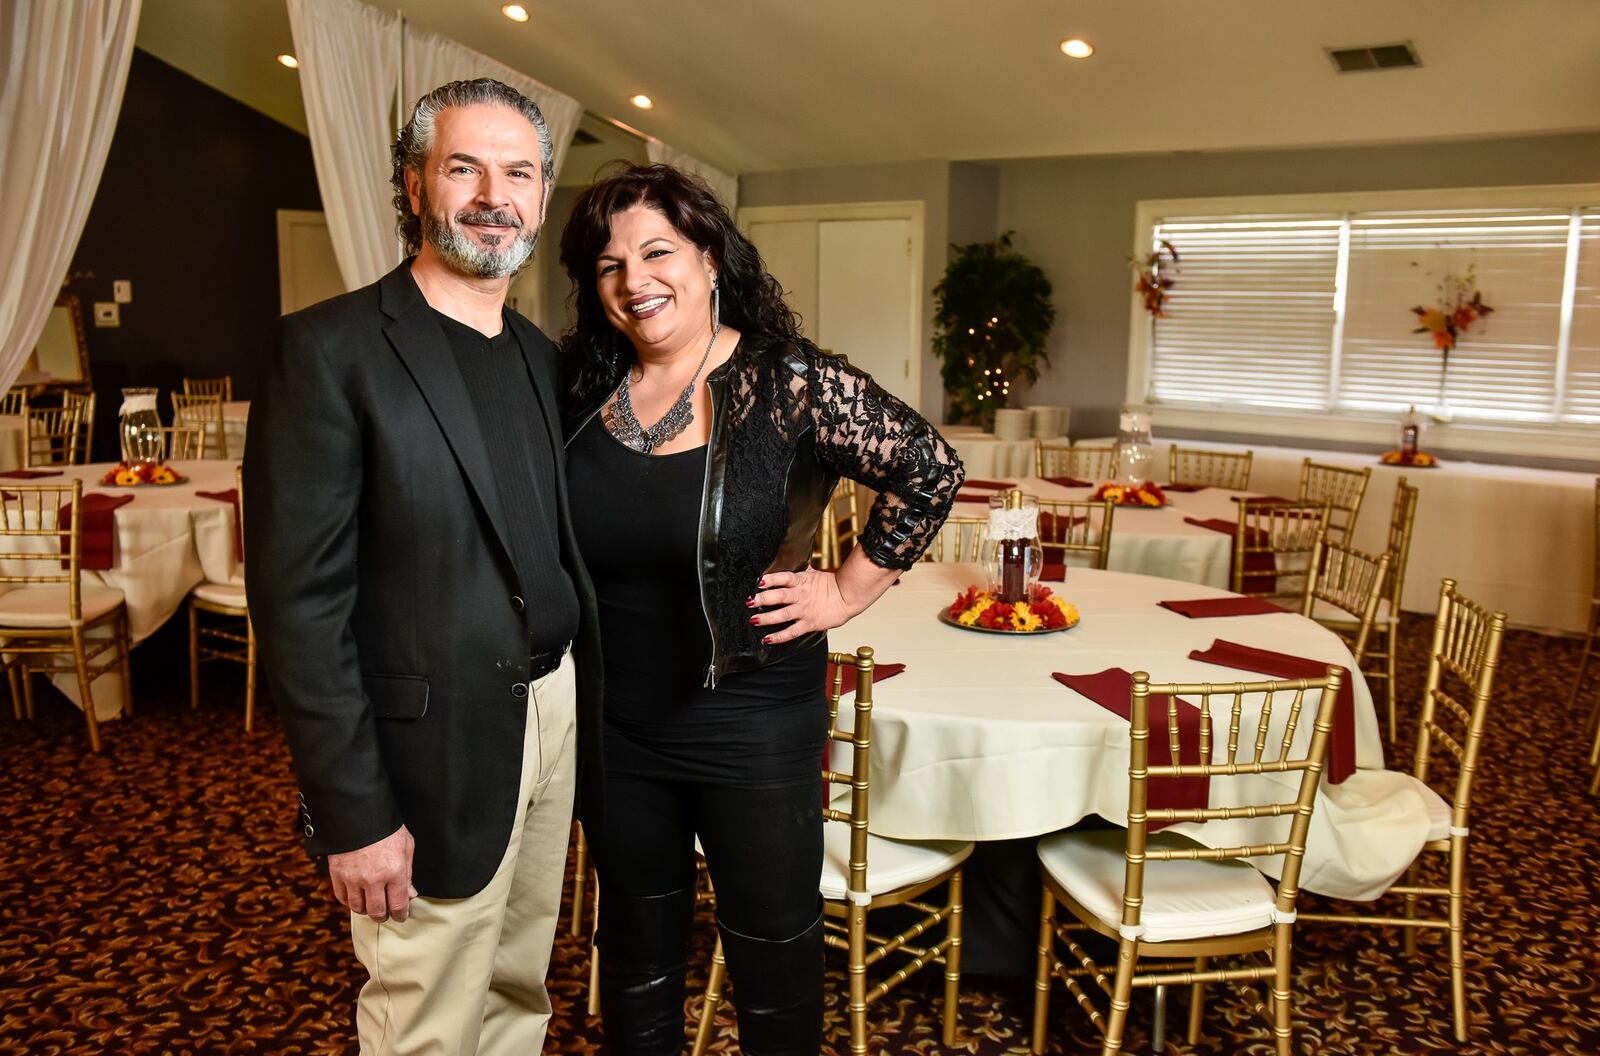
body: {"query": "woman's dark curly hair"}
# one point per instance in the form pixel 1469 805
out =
pixel 595 353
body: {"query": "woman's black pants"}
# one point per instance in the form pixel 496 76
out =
pixel 763 848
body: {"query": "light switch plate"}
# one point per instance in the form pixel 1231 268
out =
pixel 122 291
pixel 107 313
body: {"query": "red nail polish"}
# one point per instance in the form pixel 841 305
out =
pixel 761 582
pixel 753 620
pixel 749 603
pixel 767 640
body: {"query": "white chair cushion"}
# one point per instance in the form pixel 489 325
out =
pixel 1182 899
pixel 1330 614
pixel 1439 811
pixel 47 606
pixel 891 864
pixel 221 593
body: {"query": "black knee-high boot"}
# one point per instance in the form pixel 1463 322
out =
pixel 777 991
pixel 644 944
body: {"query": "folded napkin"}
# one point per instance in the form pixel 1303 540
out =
pixel 1184 487
pixel 1068 482
pixel 1257 564
pixel 1112 689
pixel 848 685
pixel 1342 742
pixel 30 474
pixel 972 496
pixel 1203 608
pixel 97 531
pixel 989 485
pixel 1054 529
pixel 1263 500
pixel 230 496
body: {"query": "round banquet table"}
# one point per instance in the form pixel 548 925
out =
pixel 167 541
pixel 975 740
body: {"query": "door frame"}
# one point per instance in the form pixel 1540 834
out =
pixel 911 211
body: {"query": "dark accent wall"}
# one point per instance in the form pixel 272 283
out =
pixel 187 210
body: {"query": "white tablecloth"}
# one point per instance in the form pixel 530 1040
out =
pixel 1512 538
pixel 984 455
pixel 976 741
pixel 168 540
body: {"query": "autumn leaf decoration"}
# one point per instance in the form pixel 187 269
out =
pixel 1459 306
pixel 1156 273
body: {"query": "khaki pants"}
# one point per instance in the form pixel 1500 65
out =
pixel 465 976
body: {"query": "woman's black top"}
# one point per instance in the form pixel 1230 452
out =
pixel 637 521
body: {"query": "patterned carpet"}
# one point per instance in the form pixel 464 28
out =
pixel 152 900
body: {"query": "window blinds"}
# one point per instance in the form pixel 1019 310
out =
pixel 1583 355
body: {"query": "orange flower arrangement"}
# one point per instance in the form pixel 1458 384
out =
pixel 1155 271
pixel 1041 612
pixel 1147 494
pixel 133 474
pixel 1420 459
pixel 1460 305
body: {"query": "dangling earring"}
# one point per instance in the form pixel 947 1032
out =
pixel 716 303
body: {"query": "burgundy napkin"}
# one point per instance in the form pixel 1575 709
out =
pixel 1202 608
pixel 97 532
pixel 1256 564
pixel 1271 500
pixel 1068 482
pixel 848 685
pixel 1184 487
pixel 1053 529
pixel 230 496
pixel 30 474
pixel 989 485
pixel 1112 689
pixel 1342 742
pixel 972 496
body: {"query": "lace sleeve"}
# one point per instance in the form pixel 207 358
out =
pixel 870 436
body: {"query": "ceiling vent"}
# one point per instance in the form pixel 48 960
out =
pixel 1375 57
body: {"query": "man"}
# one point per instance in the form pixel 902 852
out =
pixel 414 584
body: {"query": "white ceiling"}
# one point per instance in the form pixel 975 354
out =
pixel 755 85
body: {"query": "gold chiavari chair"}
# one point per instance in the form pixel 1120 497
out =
pixel 83 405
pixel 1214 469
pixel 54 436
pixel 46 612
pixel 1093 462
pixel 1347 581
pixel 15 401
pixel 1272 547
pixel 841 522
pixel 1466 654
pixel 222 386
pixel 235 638
pixel 1052 458
pixel 958 540
pixel 1381 645
pixel 1342 489
pixel 850 892
pixel 1076 527
pixel 1593 637
pixel 183 442
pixel 1167 898
pixel 206 412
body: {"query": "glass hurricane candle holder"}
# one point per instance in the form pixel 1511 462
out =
pixel 1012 556
pixel 140 426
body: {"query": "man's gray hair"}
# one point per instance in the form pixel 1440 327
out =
pixel 415 140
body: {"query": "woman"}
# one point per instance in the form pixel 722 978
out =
pixel 707 438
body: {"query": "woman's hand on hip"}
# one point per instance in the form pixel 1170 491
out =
pixel 815 600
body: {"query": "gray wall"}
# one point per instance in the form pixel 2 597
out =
pixel 1074 217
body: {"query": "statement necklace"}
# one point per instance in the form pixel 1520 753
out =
pixel 623 424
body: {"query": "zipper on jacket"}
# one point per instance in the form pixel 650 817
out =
pixel 699 539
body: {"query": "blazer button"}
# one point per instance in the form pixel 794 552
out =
pixel 517 603
pixel 520 689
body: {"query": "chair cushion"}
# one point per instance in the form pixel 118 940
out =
pixel 47 606
pixel 1331 615
pixel 231 594
pixel 1439 812
pixel 1182 899
pixel 891 864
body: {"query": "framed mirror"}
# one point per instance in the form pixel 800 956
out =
pixel 61 356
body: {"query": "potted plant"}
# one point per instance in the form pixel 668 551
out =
pixel 993 316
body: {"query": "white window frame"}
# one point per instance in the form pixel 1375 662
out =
pixel 1542 440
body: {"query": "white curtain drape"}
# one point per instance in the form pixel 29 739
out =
pixel 432 60
pixel 349 57
pixel 65 67
pixel 726 185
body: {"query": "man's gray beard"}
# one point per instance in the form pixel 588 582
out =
pixel 463 254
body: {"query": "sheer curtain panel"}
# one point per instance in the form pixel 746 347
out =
pixel 349 69
pixel 724 184
pixel 65 66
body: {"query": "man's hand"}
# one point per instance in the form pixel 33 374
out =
pixel 376 880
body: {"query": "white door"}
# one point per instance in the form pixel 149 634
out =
pixel 789 250
pixel 308 272
pixel 864 303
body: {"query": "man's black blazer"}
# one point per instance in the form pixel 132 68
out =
pixel 391 623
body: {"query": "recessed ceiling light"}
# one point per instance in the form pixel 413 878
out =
pixel 1073 48
pixel 289 61
pixel 515 12
pixel 643 102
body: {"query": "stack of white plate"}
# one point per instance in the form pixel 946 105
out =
pixel 1012 423
pixel 1048 422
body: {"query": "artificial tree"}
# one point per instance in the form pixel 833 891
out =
pixel 993 316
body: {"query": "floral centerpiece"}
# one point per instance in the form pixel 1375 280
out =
pixel 1042 611
pixel 134 474
pixel 1460 304
pixel 1147 494
pixel 1420 459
